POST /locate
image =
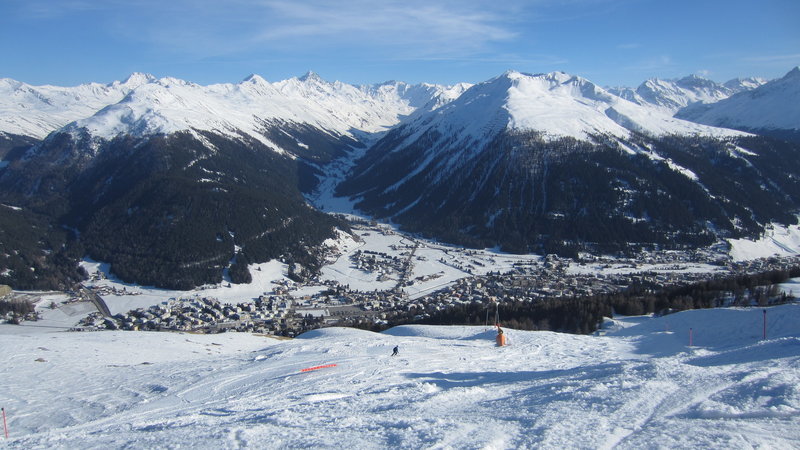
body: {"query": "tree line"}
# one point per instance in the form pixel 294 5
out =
pixel 17 308
pixel 584 314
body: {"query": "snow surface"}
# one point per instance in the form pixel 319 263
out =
pixel 143 105
pixel 635 385
pixel 565 105
pixel 556 103
pixel 777 240
pixel 434 266
pixel 266 277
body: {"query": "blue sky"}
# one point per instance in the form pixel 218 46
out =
pixel 611 42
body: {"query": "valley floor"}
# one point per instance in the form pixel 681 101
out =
pixel 637 385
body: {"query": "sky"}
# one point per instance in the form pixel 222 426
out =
pixel 611 42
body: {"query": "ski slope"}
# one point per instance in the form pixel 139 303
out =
pixel 636 385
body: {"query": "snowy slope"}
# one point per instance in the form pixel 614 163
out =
pixel 637 386
pixel 773 105
pixel 777 240
pixel 558 103
pixel 36 111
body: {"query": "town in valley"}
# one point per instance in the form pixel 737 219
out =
pixel 381 275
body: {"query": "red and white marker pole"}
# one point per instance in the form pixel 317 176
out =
pixel 5 427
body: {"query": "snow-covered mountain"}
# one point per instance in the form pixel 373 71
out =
pixel 206 169
pixel 169 105
pixel 209 173
pixel 637 385
pixel 143 105
pixel 36 111
pixel 669 96
pixel 771 106
pixel 737 85
pixel 526 160
pixel 555 104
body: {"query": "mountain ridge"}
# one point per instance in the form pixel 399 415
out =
pixel 770 106
pixel 336 106
pixel 671 95
pixel 551 162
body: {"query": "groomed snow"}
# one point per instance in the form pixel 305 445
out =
pixel 637 386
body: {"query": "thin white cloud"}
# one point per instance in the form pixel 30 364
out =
pixel 49 9
pixel 209 28
pixel 511 60
pixel 388 29
pixel 774 58
pixel 446 27
pixel 656 63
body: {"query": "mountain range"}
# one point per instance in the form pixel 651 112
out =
pixel 771 109
pixel 177 184
pixel 673 95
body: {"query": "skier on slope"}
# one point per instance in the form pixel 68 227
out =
pixel 395 350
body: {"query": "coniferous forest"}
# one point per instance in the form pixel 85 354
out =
pixel 583 315
pixel 168 211
pixel 527 194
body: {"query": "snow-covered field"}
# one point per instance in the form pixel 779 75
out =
pixel 777 240
pixel 638 385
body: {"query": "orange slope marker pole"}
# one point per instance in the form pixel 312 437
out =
pixel 5 427
pixel 309 369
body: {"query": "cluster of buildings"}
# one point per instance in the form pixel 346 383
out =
pixel 554 279
pixel 269 315
pixel 283 314
pixel 377 262
pixel 15 308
